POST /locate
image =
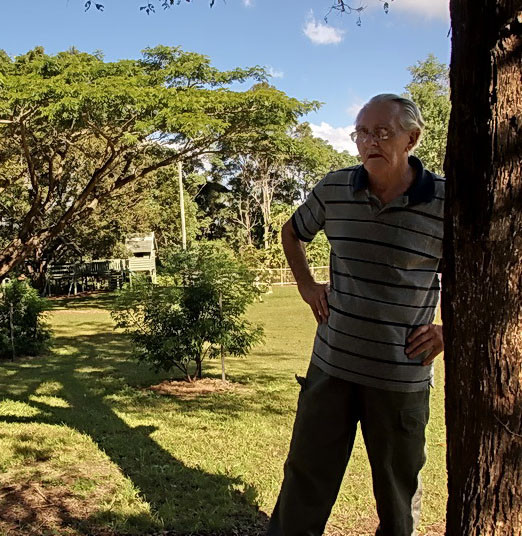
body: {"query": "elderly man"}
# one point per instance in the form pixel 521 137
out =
pixel 375 341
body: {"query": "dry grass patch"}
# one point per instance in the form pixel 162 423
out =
pixel 38 502
pixel 364 526
pixel 437 529
pixel 31 509
pixel 57 483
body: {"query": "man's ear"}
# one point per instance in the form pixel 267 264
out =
pixel 413 139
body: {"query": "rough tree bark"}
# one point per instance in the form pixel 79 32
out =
pixel 482 282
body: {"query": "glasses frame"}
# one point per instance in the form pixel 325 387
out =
pixel 362 136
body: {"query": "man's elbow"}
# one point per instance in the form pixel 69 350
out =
pixel 288 232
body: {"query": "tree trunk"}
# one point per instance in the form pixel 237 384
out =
pixel 266 205
pixel 248 223
pixel 37 269
pixel 482 281
pixel 18 250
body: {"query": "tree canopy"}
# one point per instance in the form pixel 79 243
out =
pixel 77 129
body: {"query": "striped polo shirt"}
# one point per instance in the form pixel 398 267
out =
pixel 383 275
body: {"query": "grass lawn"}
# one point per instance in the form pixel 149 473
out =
pixel 87 448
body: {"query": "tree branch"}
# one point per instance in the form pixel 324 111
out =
pixel 28 158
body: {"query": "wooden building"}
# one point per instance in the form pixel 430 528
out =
pixel 142 254
pixel 80 275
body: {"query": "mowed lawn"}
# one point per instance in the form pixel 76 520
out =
pixel 86 447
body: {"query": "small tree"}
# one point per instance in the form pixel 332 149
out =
pixel 23 330
pixel 199 314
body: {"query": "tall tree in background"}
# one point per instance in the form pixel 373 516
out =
pixel 314 158
pixel 278 166
pixel 76 130
pixel 151 204
pixel 429 89
pixel 482 280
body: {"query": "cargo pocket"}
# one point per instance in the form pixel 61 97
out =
pixel 414 420
pixel 302 383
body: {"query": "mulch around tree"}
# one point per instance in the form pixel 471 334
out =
pixel 190 390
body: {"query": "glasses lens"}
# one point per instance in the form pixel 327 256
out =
pixel 382 133
pixel 360 136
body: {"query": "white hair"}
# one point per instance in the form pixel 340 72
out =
pixel 410 117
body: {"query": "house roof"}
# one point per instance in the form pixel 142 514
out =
pixel 140 243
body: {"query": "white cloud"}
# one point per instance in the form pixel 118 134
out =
pixel 248 3
pixel 355 107
pixel 338 138
pixel 274 73
pixel 428 8
pixel 321 33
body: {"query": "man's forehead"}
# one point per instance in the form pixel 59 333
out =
pixel 378 114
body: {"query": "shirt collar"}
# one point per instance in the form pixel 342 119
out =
pixel 422 189
pixel 360 180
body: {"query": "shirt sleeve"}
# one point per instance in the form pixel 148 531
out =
pixel 309 218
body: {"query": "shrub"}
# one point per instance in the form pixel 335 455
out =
pixel 21 305
pixel 197 314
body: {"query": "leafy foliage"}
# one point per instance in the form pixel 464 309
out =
pixel 429 89
pixel 197 314
pixel 21 306
pixel 144 206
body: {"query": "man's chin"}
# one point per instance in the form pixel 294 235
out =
pixel 375 165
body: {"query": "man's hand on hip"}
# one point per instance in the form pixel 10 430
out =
pixel 315 295
pixel 427 337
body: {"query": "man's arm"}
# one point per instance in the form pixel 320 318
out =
pixel 314 294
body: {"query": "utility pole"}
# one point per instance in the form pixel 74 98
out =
pixel 11 326
pixel 223 376
pixel 182 208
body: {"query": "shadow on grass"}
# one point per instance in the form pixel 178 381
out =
pixel 85 370
pixel 90 300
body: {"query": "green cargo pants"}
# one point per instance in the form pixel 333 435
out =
pixel 328 411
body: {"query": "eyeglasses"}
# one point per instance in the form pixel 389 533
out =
pixel 362 135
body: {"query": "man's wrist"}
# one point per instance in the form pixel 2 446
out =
pixel 304 280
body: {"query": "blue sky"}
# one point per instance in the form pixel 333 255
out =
pixel 339 63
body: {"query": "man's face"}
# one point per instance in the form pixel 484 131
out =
pixel 382 156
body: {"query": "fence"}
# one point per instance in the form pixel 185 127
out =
pixel 89 275
pixel 284 276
